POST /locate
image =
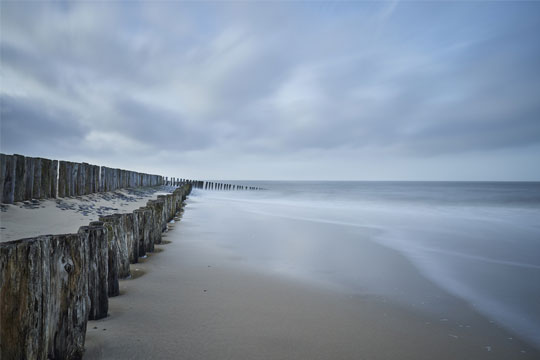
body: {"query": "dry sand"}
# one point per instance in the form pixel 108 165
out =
pixel 195 302
pixel 66 215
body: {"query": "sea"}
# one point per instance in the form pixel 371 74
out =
pixel 478 241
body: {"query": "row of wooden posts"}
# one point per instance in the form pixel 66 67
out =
pixel 219 186
pixel 210 185
pixel 26 178
pixel 51 285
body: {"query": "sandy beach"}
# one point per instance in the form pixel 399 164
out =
pixel 196 300
pixel 66 215
pixel 270 180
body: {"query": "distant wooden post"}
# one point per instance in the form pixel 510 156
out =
pixel 19 178
pixel 8 175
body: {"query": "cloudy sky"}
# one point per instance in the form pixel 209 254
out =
pixel 276 90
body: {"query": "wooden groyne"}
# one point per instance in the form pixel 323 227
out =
pixel 51 285
pixel 26 178
pixel 210 185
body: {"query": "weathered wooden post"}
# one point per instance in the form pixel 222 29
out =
pixel 73 187
pixel 22 281
pixel 75 190
pixel 45 178
pixel 123 246
pixel 148 229
pixel 117 179
pixel 112 184
pixel 62 179
pixel 97 170
pixel 113 264
pixel 87 179
pixel 108 180
pixel 102 174
pixel 164 202
pixel 156 208
pixel 81 179
pixel 136 237
pixel 29 178
pixel 96 236
pixel 44 297
pixel 2 175
pixel 19 179
pixel 142 231
pixel 131 240
pixel 9 179
pixel 36 187
pixel 69 282
pixel 53 175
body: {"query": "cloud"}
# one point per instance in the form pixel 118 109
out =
pixel 29 121
pixel 276 80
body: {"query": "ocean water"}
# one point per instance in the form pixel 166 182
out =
pixel 479 241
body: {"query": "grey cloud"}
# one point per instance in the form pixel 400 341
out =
pixel 160 127
pixel 412 80
pixel 464 135
pixel 28 124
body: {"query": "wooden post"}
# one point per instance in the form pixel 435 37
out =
pixel 53 175
pixel 148 229
pixel 131 240
pixel 142 231
pixel 20 178
pixel 9 179
pixel 45 178
pixel 156 208
pixel 29 178
pixel 113 262
pixel 96 236
pixel 44 297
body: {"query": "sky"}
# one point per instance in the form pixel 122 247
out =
pixel 326 90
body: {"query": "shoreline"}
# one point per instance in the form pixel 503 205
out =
pixel 198 303
pixel 211 286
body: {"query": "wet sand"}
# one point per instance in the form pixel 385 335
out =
pixel 198 301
